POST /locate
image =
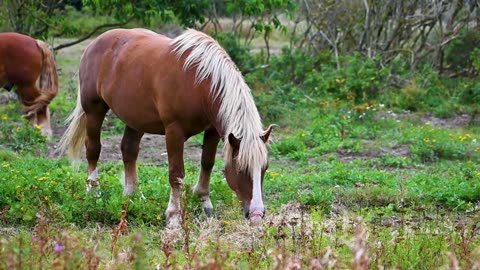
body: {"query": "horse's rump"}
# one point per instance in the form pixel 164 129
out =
pixel 20 59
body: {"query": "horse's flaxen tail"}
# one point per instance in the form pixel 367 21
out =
pixel 48 80
pixel 74 137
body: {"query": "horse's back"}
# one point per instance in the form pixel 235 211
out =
pixel 116 50
pixel 20 58
pixel 138 76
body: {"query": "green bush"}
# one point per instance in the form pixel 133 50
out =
pixel 458 53
pixel 295 80
pixel 74 23
pixel 237 50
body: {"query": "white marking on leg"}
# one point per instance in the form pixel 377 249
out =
pixel 127 187
pixel 92 181
pixel 200 190
pixel 204 194
pixel 93 175
pixel 45 126
pixel 206 203
pixel 256 204
pixel 174 209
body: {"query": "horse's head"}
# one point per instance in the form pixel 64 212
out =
pixel 247 182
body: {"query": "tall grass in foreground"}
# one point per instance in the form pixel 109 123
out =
pixel 289 239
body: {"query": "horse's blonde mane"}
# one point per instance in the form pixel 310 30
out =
pixel 238 113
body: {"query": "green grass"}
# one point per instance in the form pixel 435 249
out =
pixel 349 184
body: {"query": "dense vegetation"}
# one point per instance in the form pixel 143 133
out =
pixel 374 163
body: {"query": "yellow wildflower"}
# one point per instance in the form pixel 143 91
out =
pixel 273 174
pixel 4 117
pixel 38 126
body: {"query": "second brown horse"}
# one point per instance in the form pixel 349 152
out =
pixel 29 65
pixel 177 87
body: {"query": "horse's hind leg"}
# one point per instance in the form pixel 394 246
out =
pixel 95 113
pixel 202 188
pixel 130 147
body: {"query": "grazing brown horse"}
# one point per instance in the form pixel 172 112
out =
pixel 177 87
pixel 23 62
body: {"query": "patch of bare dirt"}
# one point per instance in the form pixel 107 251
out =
pixel 153 149
pixel 460 120
pixel 346 155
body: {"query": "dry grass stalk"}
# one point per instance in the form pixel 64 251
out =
pixel 122 227
pixel 359 247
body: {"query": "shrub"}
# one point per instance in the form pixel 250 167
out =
pixel 458 53
pixel 238 51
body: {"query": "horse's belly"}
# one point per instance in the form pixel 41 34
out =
pixel 152 128
pixel 141 120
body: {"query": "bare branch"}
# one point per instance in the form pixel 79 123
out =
pixel 87 36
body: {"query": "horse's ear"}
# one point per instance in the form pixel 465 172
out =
pixel 266 135
pixel 233 141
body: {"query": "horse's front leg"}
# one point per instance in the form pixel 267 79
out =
pixel 94 115
pixel 202 188
pixel 175 140
pixel 130 147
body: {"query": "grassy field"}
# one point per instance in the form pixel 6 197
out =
pixel 349 186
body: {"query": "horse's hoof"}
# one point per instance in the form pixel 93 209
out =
pixel 93 185
pixel 128 190
pixel 209 212
pixel 174 222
